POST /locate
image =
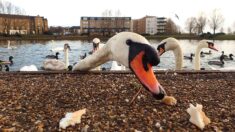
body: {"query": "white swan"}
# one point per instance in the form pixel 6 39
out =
pixel 56 48
pixel 134 51
pixel 114 65
pixel 29 68
pixel 9 45
pixel 202 44
pixel 174 45
pixel 54 64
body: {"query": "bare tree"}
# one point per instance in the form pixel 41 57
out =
pixel 9 7
pixel 201 23
pixel 117 13
pixel 233 28
pixel 2 7
pixel 221 29
pixel 216 20
pixel 191 24
pixel 229 30
pixel 171 27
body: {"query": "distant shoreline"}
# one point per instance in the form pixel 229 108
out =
pixel 88 38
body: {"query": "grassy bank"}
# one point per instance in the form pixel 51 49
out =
pixel 78 37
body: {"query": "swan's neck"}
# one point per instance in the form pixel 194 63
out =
pixel 66 56
pixel 97 58
pixel 197 64
pixel 178 58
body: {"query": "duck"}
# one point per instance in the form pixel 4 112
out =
pixel 56 49
pixel 53 56
pixel 9 45
pixel 135 52
pixel 166 46
pixel 57 65
pixel 29 68
pixel 218 63
pixel 207 53
pixel 189 57
pixel 10 62
pixel 172 44
pixel 229 58
pixel 6 68
pixel 202 54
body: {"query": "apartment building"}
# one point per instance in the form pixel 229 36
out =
pixel 149 25
pixel 161 24
pixel 105 26
pixel 145 25
pixel 21 24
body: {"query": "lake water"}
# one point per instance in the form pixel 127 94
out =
pixel 28 53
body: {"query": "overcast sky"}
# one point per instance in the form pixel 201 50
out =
pixel 68 12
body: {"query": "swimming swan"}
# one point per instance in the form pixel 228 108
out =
pixel 54 64
pixel 173 45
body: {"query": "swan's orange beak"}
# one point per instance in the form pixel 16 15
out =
pixel 147 78
pixel 161 51
pixel 212 47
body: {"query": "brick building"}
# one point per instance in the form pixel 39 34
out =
pixel 105 26
pixel 149 25
pixel 20 24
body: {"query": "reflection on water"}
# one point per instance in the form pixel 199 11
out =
pixel 28 53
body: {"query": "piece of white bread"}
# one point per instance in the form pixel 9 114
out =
pixel 72 118
pixel 197 116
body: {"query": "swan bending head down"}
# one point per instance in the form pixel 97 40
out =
pixel 131 50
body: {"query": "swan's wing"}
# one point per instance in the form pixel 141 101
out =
pixel 53 64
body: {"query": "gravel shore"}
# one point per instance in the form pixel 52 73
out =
pixel 38 101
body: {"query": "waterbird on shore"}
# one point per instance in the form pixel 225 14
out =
pixel 134 51
pixel 54 64
pixel 172 44
pixel 53 56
